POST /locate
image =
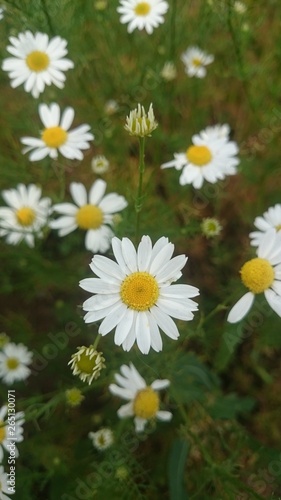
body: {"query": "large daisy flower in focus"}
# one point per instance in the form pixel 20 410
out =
pixel 5 439
pixel 14 361
pixel 37 61
pixel 211 157
pixel 270 219
pixel 144 402
pixel 261 275
pixel 142 15
pixel 195 62
pixel 55 136
pixel 136 296
pixel 26 215
pixel 93 213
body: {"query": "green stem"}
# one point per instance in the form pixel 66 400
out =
pixel 139 199
pixel 96 343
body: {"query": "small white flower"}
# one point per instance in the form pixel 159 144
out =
pixel 111 107
pixel 55 136
pixel 239 7
pixel 14 361
pixel 4 435
pixel 144 402
pixel 102 439
pixel 92 213
pixel 136 295
pixel 142 15
pixel 211 227
pixel 211 157
pixel 261 275
pixel 140 123
pixel 169 71
pixel 26 215
pixel 4 487
pixel 195 61
pixel 87 363
pixel 37 62
pixel 270 219
pixel 100 164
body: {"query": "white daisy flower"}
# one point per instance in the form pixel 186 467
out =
pixel 169 71
pixel 14 361
pixel 144 401
pixel 4 435
pixel 102 439
pixel 92 213
pixel 209 158
pixel 195 61
pixel 37 62
pixel 136 295
pixel 270 219
pixel 27 215
pixel 87 363
pixel 142 15
pixel 4 488
pixel 261 275
pixel 100 164
pixel 215 132
pixel 55 136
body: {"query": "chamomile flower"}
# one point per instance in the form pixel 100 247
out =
pixel 14 361
pixel 144 401
pixel 87 363
pixel 4 436
pixel 215 132
pixel 270 219
pixel 136 296
pixel 209 158
pixel 102 439
pixel 240 7
pixel 100 164
pixel 142 15
pixel 195 62
pixel 211 227
pixel 140 123
pixel 92 213
pixel 56 135
pixel 4 488
pixel 261 275
pixel 37 61
pixel 111 107
pixel 74 397
pixel 25 216
pixel 169 71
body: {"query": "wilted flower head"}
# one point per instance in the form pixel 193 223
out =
pixel 102 439
pixel 87 363
pixel 211 227
pixel 140 123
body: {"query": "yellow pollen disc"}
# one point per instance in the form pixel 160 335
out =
pixel 2 432
pixel 37 61
pixel 197 62
pixel 89 217
pixel 54 137
pixel 146 403
pixel 85 364
pixel 142 9
pixel 278 228
pixel 199 155
pixel 25 216
pixel 139 291
pixel 12 363
pixel 257 275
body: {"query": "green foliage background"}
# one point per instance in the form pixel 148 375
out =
pixel 224 439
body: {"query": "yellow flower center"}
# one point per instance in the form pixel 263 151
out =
pixel 199 155
pixel 146 403
pixel 25 216
pixel 54 137
pixel 278 228
pixel 37 61
pixel 196 61
pixel 12 363
pixel 2 432
pixel 86 364
pixel 139 291
pixel 142 9
pixel 257 275
pixel 89 217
